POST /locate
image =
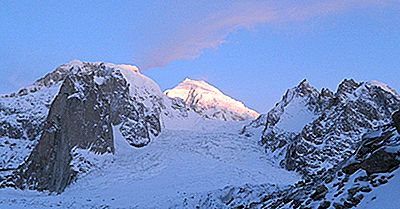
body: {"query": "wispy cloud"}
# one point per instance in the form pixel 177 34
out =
pixel 190 40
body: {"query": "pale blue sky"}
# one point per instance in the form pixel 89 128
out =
pixel 252 50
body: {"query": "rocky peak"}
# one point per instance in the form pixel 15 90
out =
pixel 327 93
pixel 299 103
pixel 347 86
pixel 304 88
pixel 329 125
pixel 380 85
pixel 210 102
pixel 92 99
pixel 72 67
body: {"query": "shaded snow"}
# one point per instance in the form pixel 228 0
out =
pixel 295 116
pixel 385 196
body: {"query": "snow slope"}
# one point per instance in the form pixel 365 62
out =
pixel 177 165
pixel 295 116
pixel 210 102
pixel 386 196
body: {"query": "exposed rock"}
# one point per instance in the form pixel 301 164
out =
pixel 324 205
pixel 347 86
pixel 21 122
pixel 351 168
pixel 329 125
pixel 381 162
pixel 319 193
pixel 370 166
pixel 396 120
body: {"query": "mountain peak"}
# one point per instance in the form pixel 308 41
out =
pixel 381 85
pixel 347 86
pixel 209 101
pixel 198 84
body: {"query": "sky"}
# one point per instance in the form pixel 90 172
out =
pixel 251 50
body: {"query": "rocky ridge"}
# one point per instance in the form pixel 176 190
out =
pixel 325 127
pixel 345 144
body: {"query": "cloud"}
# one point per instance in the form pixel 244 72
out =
pixel 190 40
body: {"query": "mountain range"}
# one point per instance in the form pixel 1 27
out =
pixel 101 135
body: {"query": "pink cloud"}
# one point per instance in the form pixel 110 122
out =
pixel 190 40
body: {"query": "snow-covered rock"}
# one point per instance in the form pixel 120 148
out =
pixel 355 182
pixel 21 121
pixel 73 107
pixel 311 131
pixel 368 178
pixel 106 136
pixel 344 144
pixel 210 102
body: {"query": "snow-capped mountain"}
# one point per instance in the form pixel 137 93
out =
pixel 102 135
pixel 343 143
pixel 310 131
pixel 77 106
pixel 210 102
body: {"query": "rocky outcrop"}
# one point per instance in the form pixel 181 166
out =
pixel 92 99
pixel 396 120
pixel 311 131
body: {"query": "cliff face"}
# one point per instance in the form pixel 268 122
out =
pixel 92 99
pixel 396 120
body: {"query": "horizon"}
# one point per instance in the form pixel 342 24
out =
pixel 222 90
pixel 242 48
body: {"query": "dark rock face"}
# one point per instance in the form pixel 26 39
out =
pixel 396 120
pixel 82 116
pixel 319 193
pixel 373 155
